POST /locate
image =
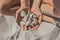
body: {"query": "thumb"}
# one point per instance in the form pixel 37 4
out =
pixel 17 13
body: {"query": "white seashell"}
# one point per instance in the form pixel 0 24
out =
pixel 23 14
pixel 28 23
pixel 31 15
pixel 34 21
pixel 25 18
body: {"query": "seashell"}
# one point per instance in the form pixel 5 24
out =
pixel 23 14
pixel 34 22
pixel 28 23
pixel 31 15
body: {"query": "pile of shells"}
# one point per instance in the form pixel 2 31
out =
pixel 29 19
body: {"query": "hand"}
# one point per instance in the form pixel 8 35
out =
pixel 22 26
pixel 18 12
pixel 17 17
pixel 37 12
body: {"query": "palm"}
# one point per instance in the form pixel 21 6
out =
pixel 39 16
pixel 17 18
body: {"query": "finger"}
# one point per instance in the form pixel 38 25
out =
pixel 40 19
pixel 38 13
pixel 22 19
pixel 35 27
pixel 17 14
pixel 21 25
pixel 25 28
